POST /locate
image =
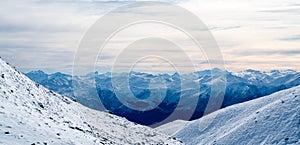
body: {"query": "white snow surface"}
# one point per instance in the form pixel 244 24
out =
pixel 173 127
pixel 31 114
pixel 274 119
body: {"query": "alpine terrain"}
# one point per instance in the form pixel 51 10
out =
pixel 240 87
pixel 31 114
pixel 274 119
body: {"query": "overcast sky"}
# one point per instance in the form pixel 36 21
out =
pixel 256 34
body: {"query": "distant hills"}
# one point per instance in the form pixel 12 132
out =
pixel 240 87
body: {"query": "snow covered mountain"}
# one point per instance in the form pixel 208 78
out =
pixel 31 114
pixel 274 119
pixel 241 86
pixel 63 84
pixel 273 77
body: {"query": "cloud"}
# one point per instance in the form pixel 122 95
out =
pixel 50 61
pixel 12 28
pixel 218 28
pixel 45 33
pixel 291 38
pixel 268 53
pixel 287 10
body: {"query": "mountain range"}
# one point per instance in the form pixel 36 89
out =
pixel 96 90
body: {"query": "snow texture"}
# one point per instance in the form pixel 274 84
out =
pixel 274 119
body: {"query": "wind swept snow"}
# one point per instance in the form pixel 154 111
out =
pixel 274 119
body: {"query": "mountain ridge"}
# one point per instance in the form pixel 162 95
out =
pixel 272 119
pixel 96 90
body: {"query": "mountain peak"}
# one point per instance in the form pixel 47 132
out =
pixel 59 74
pixel 38 72
pixel 252 70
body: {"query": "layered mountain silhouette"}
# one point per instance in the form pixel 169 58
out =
pixel 97 92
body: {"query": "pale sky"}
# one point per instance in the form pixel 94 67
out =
pixel 45 34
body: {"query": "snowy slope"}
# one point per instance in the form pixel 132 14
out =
pixel 173 127
pixel 274 119
pixel 31 114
